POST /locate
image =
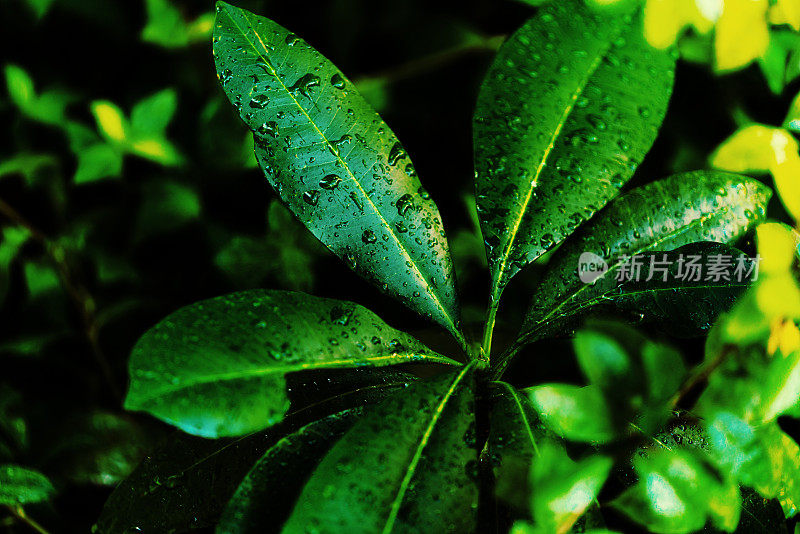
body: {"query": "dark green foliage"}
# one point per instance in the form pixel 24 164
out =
pixel 335 163
pixel 559 130
pixel 134 195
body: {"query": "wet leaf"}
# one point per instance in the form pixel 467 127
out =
pixel 335 163
pixel 569 108
pixel 265 497
pixel 421 479
pixel 662 216
pixel 187 482
pixel 515 434
pixel 20 485
pixel 217 367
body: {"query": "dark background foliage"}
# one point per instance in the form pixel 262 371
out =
pixel 139 251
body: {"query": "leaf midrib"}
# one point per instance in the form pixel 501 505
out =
pixel 411 262
pixel 423 442
pixel 533 183
pixel 286 369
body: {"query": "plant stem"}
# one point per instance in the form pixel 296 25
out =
pixel 418 66
pixel 19 513
pixel 701 374
pixel 78 293
pixel 488 330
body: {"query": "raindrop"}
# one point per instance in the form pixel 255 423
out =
pixel 259 101
pixel 330 182
pixel 368 237
pixel 337 81
pixel 311 197
pixel 304 84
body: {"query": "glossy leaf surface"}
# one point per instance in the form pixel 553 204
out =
pixel 662 216
pixel 217 367
pixel 335 163
pixel 569 108
pixel 263 499
pixel 187 481
pixel 408 465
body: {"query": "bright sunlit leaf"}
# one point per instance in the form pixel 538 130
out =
pixel 741 33
pixel 110 120
pixel 665 20
pixel 785 12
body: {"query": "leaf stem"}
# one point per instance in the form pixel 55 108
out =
pixel 418 66
pixel 701 374
pixel 505 358
pixel 488 330
pixel 77 292
pixel 19 513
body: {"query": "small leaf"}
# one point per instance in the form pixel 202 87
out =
pixel 29 165
pixel 166 26
pixel 335 163
pixel 14 237
pixel 665 20
pixel 110 121
pixel 151 115
pixel 98 162
pixel 677 491
pixel 573 412
pixel 217 368
pixel 563 489
pixel 166 206
pixel 741 34
pixel 544 169
pixel 664 215
pixel 19 485
pixel 420 479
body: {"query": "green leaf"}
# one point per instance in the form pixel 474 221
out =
pixel 563 489
pixel 41 278
pixel 97 162
pixel 677 491
pixel 26 164
pixel 48 107
pixel 152 115
pixel 335 163
pixel 100 448
pixel 217 368
pixel 166 26
pixel 662 216
pixel 568 109
pixel 166 206
pixel 265 497
pixel 573 412
pixel 409 465
pixel 13 238
pixel 186 482
pixel 513 443
pixel 19 485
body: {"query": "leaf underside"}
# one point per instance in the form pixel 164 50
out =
pixel 569 108
pixel 335 163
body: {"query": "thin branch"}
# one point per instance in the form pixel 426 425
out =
pixel 424 64
pixel 77 292
pixel 19 513
pixel 701 375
